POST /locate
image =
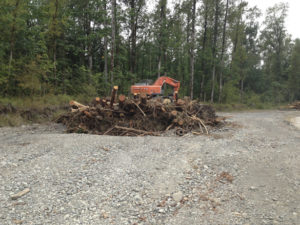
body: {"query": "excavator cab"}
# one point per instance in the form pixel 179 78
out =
pixel 144 82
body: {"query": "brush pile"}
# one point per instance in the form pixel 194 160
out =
pixel 138 117
pixel 295 105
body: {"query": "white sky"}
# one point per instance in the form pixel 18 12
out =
pixel 293 17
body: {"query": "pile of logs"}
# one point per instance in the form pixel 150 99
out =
pixel 140 116
pixel 295 105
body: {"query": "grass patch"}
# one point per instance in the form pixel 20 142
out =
pixel 11 120
pixel 36 109
pixel 36 102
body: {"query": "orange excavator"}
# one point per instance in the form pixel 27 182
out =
pixel 146 86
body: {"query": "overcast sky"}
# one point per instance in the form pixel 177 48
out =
pixel 293 19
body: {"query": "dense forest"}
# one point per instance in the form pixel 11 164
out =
pixel 216 48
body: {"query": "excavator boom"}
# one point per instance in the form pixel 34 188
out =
pixel 170 81
pixel 156 88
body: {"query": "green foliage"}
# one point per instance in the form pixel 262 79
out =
pixel 294 73
pixel 59 47
pixel 275 48
pixel 231 93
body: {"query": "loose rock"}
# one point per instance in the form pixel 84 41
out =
pixel 177 196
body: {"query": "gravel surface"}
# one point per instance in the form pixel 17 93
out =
pixel 246 173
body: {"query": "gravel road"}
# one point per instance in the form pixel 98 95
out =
pixel 246 173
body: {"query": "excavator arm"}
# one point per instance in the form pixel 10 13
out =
pixel 170 81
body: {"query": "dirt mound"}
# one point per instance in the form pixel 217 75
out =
pixel 31 113
pixel 142 116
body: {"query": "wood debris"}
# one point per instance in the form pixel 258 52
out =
pixel 20 194
pixel 122 116
pixel 295 105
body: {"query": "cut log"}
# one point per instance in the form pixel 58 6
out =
pixel 113 96
pixel 83 128
pixel 175 96
pixel 180 132
pixel 295 105
pixel 76 104
pixel 116 108
pixel 174 113
pixel 99 118
pixel 122 99
pixel 81 109
pixel 143 98
pixel 166 101
pixel 88 114
pixel 180 102
pixel 137 131
pixel 74 110
pixel 180 122
pixel 96 101
pixel 103 102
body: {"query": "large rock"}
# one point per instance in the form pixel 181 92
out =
pixel 177 196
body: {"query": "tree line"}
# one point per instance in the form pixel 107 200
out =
pixel 216 48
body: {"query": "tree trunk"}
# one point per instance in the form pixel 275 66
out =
pixel 159 65
pixel 133 25
pixel 163 5
pixel 90 62
pixel 12 36
pixel 193 50
pixel 54 63
pixel 105 59
pixel 55 44
pixel 236 38
pixel 90 51
pixel 188 28
pixel 214 50
pixel 242 90
pixel 105 45
pixel 203 50
pixel 223 50
pixel 113 40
